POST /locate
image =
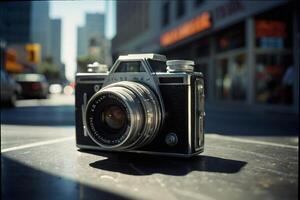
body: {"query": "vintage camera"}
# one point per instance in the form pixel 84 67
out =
pixel 144 104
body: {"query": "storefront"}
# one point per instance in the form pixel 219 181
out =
pixel 274 69
pixel 252 62
pixel 248 51
pixel 230 63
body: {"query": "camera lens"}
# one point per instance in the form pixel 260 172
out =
pixel 123 115
pixel 114 117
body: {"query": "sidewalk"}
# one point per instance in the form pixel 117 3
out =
pixel 249 122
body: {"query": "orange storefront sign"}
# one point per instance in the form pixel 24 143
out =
pixel 196 25
pixel 270 28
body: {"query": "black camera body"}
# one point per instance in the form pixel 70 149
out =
pixel 145 104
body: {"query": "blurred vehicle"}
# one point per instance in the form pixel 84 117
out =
pixel 10 89
pixel 55 88
pixel 33 85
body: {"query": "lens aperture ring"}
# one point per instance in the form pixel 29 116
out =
pixel 152 111
pixel 129 101
pixel 143 111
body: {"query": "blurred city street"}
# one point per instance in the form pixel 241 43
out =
pixel 39 157
pixel 57 110
pixel 149 76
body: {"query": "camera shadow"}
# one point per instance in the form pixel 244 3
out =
pixel 141 164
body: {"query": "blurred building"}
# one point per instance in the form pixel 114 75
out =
pixel 91 41
pixel 95 23
pixel 41 27
pixel 248 51
pixel 2 54
pixel 82 46
pixel 31 37
pixel 133 24
pixel 15 20
pixel 56 40
pixel 56 45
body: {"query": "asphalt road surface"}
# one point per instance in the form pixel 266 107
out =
pixel 39 160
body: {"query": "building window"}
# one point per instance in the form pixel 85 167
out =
pixel 166 13
pixel 198 2
pixel 274 78
pixel 180 8
pixel 232 38
pixel 272 34
pixel 274 68
pixel 231 82
pixel 231 69
pixel 202 49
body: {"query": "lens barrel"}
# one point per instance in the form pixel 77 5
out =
pixel 123 115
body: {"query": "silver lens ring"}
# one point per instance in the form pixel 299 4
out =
pixel 134 110
pixel 152 111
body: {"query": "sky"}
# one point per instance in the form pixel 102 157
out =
pixel 72 14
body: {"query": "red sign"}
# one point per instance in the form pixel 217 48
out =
pixel 270 28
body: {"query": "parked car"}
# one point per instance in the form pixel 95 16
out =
pixel 10 89
pixel 55 88
pixel 33 85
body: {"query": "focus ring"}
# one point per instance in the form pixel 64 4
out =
pixel 151 107
pixel 143 111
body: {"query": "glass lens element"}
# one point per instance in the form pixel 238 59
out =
pixel 114 117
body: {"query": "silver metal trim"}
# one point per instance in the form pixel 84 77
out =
pixel 198 119
pixel 180 62
pixel 180 66
pixel 81 76
pixel 174 84
pixel 90 82
pixel 94 74
pixel 179 74
pixel 83 107
pixel 189 116
pixel 152 56
pixel 89 147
